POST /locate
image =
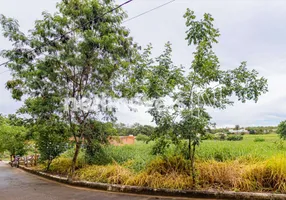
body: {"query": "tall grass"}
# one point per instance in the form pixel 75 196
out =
pixel 174 173
pixel 233 165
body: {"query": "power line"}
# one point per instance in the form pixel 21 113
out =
pixel 109 11
pixel 5 71
pixel 144 13
pixel 4 63
pixel 149 11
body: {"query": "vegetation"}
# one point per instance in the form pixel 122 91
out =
pixel 12 136
pixel 141 137
pixel 235 137
pixel 191 89
pixel 282 130
pixel 80 53
pixel 75 63
pixel 242 166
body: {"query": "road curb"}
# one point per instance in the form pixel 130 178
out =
pixel 161 192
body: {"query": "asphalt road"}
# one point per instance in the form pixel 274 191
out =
pixel 16 184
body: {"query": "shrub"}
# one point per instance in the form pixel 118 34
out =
pixel 234 137
pixel 208 136
pixel 220 136
pixel 160 147
pixel 141 137
pixel 281 130
pixel 259 140
pixel 62 164
pixel 96 154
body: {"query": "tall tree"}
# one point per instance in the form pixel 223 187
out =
pixel 81 52
pixel 193 89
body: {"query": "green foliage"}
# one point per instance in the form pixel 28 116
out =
pixel 160 146
pixel 191 88
pixel 220 136
pixel 12 139
pixel 96 135
pixel 52 139
pixel 95 154
pixel 234 137
pixel 261 130
pixel 77 53
pixel 259 139
pixel 208 136
pixel 281 130
pixel 143 138
pixel 62 165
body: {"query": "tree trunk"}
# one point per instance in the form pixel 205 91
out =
pixel 189 153
pixel 193 165
pixel 74 160
pixel 49 164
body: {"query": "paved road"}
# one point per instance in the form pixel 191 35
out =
pixel 16 184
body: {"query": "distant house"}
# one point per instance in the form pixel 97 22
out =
pixel 240 131
pixel 122 140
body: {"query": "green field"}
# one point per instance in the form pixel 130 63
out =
pixel 256 163
pixel 208 150
pixel 247 148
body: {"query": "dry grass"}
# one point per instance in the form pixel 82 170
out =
pixel 174 173
pixel 215 174
pixel 114 174
pixel 266 176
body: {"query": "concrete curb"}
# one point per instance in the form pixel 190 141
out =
pixel 161 192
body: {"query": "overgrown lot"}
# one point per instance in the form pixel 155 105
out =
pixel 247 165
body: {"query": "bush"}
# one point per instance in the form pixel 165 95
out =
pixel 96 154
pixel 281 130
pixel 208 136
pixel 141 137
pixel 234 137
pixel 220 136
pixel 259 140
pixel 62 164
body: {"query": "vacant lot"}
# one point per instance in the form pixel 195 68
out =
pixel 257 163
pixel 254 147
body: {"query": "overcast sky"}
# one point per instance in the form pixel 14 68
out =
pixel 252 31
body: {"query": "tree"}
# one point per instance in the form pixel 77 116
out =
pixel 80 53
pixel 237 127
pixel 12 139
pixel 52 139
pixel 281 130
pixel 96 136
pixel 203 85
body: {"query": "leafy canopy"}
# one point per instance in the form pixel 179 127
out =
pixel 81 51
pixel 204 84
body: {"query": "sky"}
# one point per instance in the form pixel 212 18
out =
pixel 251 30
